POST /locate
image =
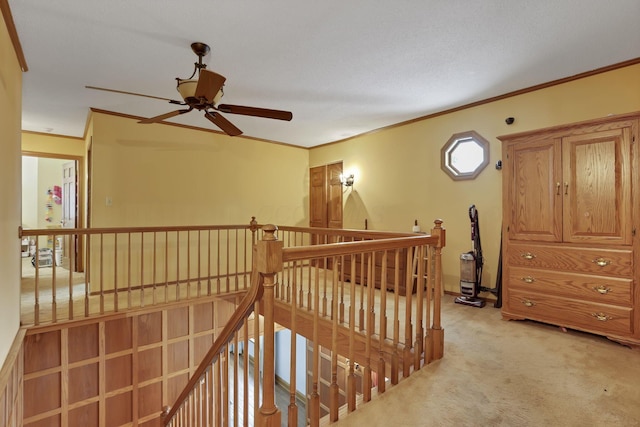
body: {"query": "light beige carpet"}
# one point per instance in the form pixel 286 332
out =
pixel 513 373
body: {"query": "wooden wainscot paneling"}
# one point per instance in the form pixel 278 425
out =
pixel 115 370
pixel 11 384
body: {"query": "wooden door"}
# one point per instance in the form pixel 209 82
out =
pixel 533 180
pixel 325 196
pixel 317 197
pixel 597 187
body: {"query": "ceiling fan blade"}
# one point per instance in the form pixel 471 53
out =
pixel 161 117
pixel 209 84
pixel 224 124
pixel 172 101
pixel 256 112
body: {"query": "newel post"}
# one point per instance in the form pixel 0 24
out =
pixel 269 263
pixel 437 332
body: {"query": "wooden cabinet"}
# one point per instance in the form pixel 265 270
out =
pixel 570 213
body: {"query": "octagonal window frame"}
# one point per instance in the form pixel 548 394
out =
pixel 447 154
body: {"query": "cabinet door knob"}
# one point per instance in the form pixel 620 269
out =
pixel 527 255
pixel 601 317
pixel 528 303
pixel 528 279
pixel 602 289
pixel 601 262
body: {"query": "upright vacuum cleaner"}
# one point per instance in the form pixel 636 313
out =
pixel 471 266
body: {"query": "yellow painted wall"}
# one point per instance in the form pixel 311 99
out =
pixel 10 178
pixel 52 144
pixel 166 175
pixel 398 175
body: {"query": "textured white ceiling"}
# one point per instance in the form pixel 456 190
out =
pixel 342 67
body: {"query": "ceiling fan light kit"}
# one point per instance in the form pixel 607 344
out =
pixel 204 93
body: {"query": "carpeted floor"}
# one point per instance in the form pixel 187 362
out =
pixel 513 373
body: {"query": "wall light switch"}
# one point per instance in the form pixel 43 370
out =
pixel 108 201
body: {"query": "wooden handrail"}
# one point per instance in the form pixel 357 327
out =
pixel 24 232
pixel 347 248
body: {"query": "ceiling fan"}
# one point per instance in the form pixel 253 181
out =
pixel 203 91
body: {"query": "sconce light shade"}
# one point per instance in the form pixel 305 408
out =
pixel 347 180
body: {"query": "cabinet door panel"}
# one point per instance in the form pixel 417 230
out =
pixel 535 199
pixel 597 187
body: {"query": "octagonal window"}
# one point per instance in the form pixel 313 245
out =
pixel 464 155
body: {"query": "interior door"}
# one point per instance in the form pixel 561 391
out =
pixel 317 197
pixel 69 212
pixel 325 196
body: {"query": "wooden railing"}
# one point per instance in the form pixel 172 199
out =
pixel 383 335
pixel 367 301
pixel 90 272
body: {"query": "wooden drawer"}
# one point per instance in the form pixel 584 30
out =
pixel 591 317
pixel 600 289
pixel 601 261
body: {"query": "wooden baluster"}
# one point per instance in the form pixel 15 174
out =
pixel 362 284
pixel 224 366
pixel 155 265
pixel 88 261
pixel 237 268
pixel 141 269
pixel 115 272
pixel 437 333
pixel 396 320
pixel 54 269
pixel 408 327
pixel 380 374
pixel 429 294
pixel 166 266
pixel 72 267
pixel 334 390
pixel 36 290
pixel 293 407
pixel 236 400
pixel 351 378
pixel 418 347
pixel 188 264
pixel 256 355
pixel 369 326
pixel 101 255
pixel 177 266
pixel 228 281
pixel 198 272
pixel 218 283
pixel 129 291
pixel 383 296
pixel 208 262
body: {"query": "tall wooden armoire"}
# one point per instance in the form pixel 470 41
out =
pixel 571 210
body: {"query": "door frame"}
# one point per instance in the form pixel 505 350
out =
pixel 80 203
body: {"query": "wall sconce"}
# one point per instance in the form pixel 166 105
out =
pixel 347 180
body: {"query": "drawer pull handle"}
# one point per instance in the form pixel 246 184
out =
pixel 601 317
pixel 601 262
pixel 527 255
pixel 602 289
pixel 528 303
pixel 528 279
